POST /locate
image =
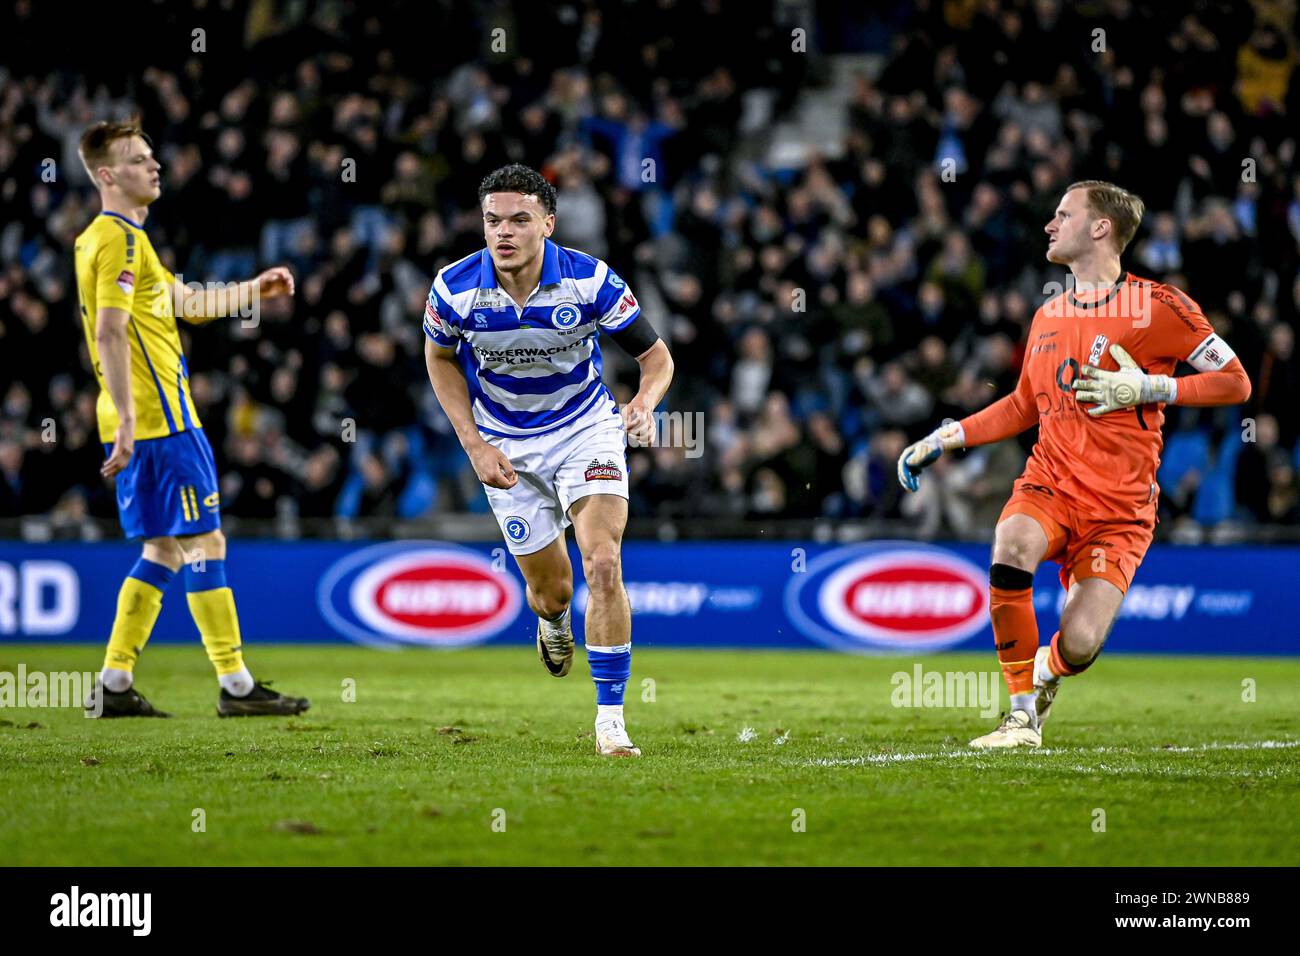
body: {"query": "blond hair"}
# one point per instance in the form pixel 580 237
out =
pixel 1108 201
pixel 95 146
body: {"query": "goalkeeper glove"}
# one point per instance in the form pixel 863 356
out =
pixel 1112 391
pixel 921 455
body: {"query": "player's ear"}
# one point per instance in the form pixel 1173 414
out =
pixel 549 226
pixel 1101 228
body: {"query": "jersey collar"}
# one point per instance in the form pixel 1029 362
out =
pixel 1078 303
pixel 487 275
pixel 118 215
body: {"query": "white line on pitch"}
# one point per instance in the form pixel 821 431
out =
pixel 888 758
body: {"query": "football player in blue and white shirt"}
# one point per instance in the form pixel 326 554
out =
pixel 514 360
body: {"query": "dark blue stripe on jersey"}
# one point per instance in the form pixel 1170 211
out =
pixel 130 237
pixel 626 322
pixel 550 416
pixel 541 385
pixel 180 397
pixel 171 422
pixel 564 423
pixel 118 215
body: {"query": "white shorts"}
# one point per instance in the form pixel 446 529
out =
pixel 555 470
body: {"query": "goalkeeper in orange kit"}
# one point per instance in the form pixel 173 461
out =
pixel 1097 374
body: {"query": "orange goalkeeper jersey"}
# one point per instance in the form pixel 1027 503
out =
pixel 1105 466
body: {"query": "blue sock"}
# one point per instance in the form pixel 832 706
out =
pixel 610 669
pixel 152 573
pixel 212 576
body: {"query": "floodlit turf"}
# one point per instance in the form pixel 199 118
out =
pixel 438 745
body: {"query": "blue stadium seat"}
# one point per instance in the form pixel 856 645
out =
pixel 419 495
pixel 349 500
pixel 1214 500
pixel 1184 451
pixel 478 503
pixel 1229 449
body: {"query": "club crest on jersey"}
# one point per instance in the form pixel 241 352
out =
pixel 517 529
pixel 565 316
pixel 1098 349
pixel 607 471
pixel 126 281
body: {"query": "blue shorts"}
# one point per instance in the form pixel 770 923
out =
pixel 169 487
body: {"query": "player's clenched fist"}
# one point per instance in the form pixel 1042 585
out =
pixel 492 466
pixel 640 424
pixel 921 455
pixel 275 281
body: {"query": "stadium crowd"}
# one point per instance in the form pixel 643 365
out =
pixel 822 313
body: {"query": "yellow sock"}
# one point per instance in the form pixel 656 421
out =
pixel 214 613
pixel 138 604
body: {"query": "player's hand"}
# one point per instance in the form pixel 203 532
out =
pixel 1125 388
pixel 275 281
pixel 492 466
pixel 123 449
pixel 639 421
pixel 924 453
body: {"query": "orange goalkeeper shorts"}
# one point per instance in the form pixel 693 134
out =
pixel 1083 545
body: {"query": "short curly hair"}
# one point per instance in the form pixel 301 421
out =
pixel 518 178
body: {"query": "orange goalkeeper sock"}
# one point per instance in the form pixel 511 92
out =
pixel 1015 628
pixel 1059 665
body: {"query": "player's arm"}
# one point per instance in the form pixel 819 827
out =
pixel 1008 416
pixel 218 301
pixel 115 362
pixel 1228 385
pixel 448 380
pixel 656 375
pixel 1178 331
pixel 114 280
pixel 618 314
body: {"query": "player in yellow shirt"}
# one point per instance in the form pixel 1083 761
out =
pixel 156 450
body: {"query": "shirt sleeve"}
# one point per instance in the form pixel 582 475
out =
pixel 439 318
pixel 1009 415
pixel 115 271
pixel 616 307
pixel 1180 332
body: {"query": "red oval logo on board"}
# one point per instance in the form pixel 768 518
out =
pixel 889 596
pixel 435 596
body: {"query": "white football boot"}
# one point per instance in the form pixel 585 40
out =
pixel 1016 730
pixel 1046 688
pixel 612 739
pixel 555 643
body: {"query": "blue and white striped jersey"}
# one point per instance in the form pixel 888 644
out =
pixel 535 369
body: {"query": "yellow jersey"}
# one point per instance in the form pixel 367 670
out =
pixel 118 268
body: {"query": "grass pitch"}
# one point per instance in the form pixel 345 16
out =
pixel 437 747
